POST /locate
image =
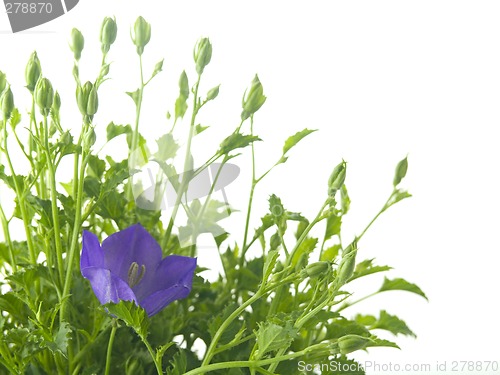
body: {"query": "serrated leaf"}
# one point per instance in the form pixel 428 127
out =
pixel 96 166
pixel 167 147
pixel 392 324
pixel 269 264
pixel 180 107
pixel 366 267
pixel 333 226
pixel 278 212
pixel 133 316
pixel 235 141
pixel 199 129
pixel 114 130
pixel 375 341
pixel 301 256
pixel 366 320
pixel 178 364
pixel 296 138
pixel 233 328
pixel 271 337
pixel 401 284
pixel 345 201
pixel 15 118
pixel 91 186
pixel 331 253
pixel 60 339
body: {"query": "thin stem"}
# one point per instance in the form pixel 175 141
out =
pixel 53 196
pixel 110 348
pixel 346 305
pixel 6 233
pixel 152 353
pixel 185 173
pixel 384 208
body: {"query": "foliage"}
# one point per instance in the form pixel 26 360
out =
pixel 262 315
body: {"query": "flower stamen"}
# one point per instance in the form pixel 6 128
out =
pixel 134 275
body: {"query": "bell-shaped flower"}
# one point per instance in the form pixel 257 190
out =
pixel 129 266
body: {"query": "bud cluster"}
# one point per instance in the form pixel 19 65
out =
pixel 86 97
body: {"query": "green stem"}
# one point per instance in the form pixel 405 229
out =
pixel 186 175
pixel 20 198
pixel 6 233
pixel 384 208
pixel 346 305
pixel 110 347
pixel 213 345
pixel 253 364
pixel 53 196
pixel 152 353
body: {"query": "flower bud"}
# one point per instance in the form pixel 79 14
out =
pixel 318 269
pixel 108 33
pixel 348 263
pixel 350 343
pixel 89 138
pixel 337 178
pixel 142 34
pixel 56 105
pixel 82 97
pixel 44 95
pixel 401 170
pixel 93 102
pixel 213 93
pixel 202 54
pixel 76 43
pixel 253 99
pixel 7 103
pixel 32 72
pixel 184 85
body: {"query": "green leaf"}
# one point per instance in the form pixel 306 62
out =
pixel 180 107
pixel 331 253
pixel 278 212
pixel 232 330
pixel 333 226
pixel 167 147
pixel 398 196
pixel 134 95
pixel 271 337
pixel 392 324
pixel 342 327
pixel 235 141
pixel 92 187
pixel 345 201
pixel 270 263
pixel 15 118
pixel 134 316
pixel 199 129
pixel 375 341
pixel 296 138
pixel 366 267
pixel 114 130
pixel 60 340
pixel 301 256
pixel 96 166
pixel 112 206
pixel 401 284
pixel 178 364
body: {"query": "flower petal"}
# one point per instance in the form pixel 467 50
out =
pixel 157 301
pixel 133 244
pixel 108 287
pixel 174 270
pixel 92 254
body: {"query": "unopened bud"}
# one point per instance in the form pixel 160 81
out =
pixel 253 99
pixel 82 96
pixel 348 263
pixel 7 103
pixel 93 102
pixel 213 93
pixel 350 343
pixel 142 34
pixel 202 54
pixel 76 43
pixel 401 170
pixel 32 72
pixel 44 95
pixel 337 178
pixel 89 138
pixel 108 33
pixel 318 269
pixel 56 105
pixel 184 85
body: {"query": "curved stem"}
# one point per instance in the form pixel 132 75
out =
pixel 110 348
pixel 5 229
pixel 159 370
pixel 385 207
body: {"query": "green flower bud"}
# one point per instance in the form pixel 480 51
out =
pixel 93 102
pixel 76 43
pixel 82 96
pixel 184 85
pixel 350 343
pixel 3 82
pixel 348 263
pixel 142 34
pixel 401 170
pixel 108 33
pixel 337 178
pixel 213 93
pixel 89 138
pixel 253 99
pixel 32 72
pixel 7 103
pixel 44 95
pixel 56 105
pixel 66 138
pixel 202 54
pixel 318 269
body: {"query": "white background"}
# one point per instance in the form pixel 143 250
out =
pixel 379 80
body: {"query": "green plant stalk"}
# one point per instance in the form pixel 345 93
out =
pixel 53 201
pixel 20 197
pixel 157 363
pixel 74 239
pixel 252 364
pixel 5 228
pixel 135 135
pixel 250 200
pixel 110 348
pixel 184 181
pixel 384 208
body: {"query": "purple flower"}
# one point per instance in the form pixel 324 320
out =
pixel 128 266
